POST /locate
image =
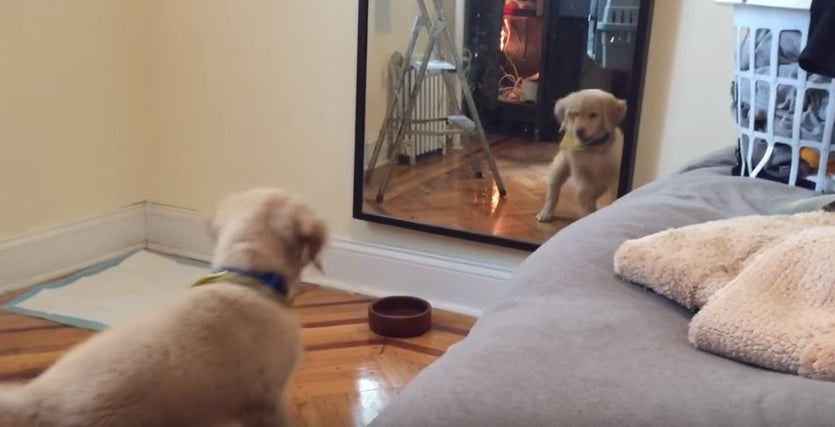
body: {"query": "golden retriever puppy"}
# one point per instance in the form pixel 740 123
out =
pixel 590 151
pixel 221 356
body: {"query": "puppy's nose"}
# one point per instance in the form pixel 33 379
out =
pixel 581 133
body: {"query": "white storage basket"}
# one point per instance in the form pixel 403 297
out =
pixel 780 109
pixel 612 28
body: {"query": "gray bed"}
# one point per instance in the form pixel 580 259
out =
pixel 572 345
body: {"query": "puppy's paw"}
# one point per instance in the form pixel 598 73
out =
pixel 544 216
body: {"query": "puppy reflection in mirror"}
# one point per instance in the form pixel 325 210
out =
pixel 590 150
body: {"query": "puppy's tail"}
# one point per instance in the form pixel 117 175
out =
pixel 14 408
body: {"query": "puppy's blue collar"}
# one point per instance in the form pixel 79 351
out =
pixel 276 283
pixel 600 140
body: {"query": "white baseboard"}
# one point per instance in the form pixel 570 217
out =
pixel 371 269
pixel 376 270
pixel 177 231
pixel 455 285
pixel 56 252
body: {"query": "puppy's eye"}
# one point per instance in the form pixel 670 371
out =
pixel 593 115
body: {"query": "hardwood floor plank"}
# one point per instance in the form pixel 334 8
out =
pixel 330 410
pixel 40 340
pixel 435 341
pixel 11 321
pixel 335 322
pixel 328 357
pixel 333 303
pixel 27 365
pixel 346 375
pixel 448 320
pixel 313 296
pixel 333 312
pixel 404 355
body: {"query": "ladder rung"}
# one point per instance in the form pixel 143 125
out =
pixel 461 122
pixel 436 132
pixel 423 121
pixel 435 66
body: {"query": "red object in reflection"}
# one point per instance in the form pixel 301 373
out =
pixel 509 7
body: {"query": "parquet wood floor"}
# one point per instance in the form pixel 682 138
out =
pixel 441 190
pixel 347 374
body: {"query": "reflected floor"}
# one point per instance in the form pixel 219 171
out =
pixel 441 190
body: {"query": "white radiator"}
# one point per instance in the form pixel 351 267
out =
pixel 431 104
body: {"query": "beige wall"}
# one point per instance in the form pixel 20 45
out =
pixel 686 109
pixel 72 118
pixel 259 93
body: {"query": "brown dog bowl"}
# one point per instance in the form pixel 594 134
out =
pixel 400 316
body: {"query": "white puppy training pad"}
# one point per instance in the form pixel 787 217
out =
pixel 111 292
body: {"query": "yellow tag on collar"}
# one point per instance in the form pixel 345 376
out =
pixel 225 276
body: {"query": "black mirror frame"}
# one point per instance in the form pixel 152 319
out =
pixel 632 121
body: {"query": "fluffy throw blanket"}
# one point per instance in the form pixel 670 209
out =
pixel 763 287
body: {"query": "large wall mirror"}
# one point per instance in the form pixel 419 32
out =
pixel 459 129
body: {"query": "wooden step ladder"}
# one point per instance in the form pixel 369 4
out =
pixel 440 37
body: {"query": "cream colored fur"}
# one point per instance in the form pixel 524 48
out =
pixel 762 285
pixel 585 115
pixel 221 356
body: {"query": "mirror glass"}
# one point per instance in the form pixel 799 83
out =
pixel 500 121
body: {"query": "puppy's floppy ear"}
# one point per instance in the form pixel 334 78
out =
pixel 213 223
pixel 216 219
pixel 211 228
pixel 297 225
pixel 560 110
pixel 312 234
pixel 615 110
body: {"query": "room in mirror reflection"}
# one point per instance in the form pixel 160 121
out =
pixel 431 158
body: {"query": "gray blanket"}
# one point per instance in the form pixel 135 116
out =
pixel 572 345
